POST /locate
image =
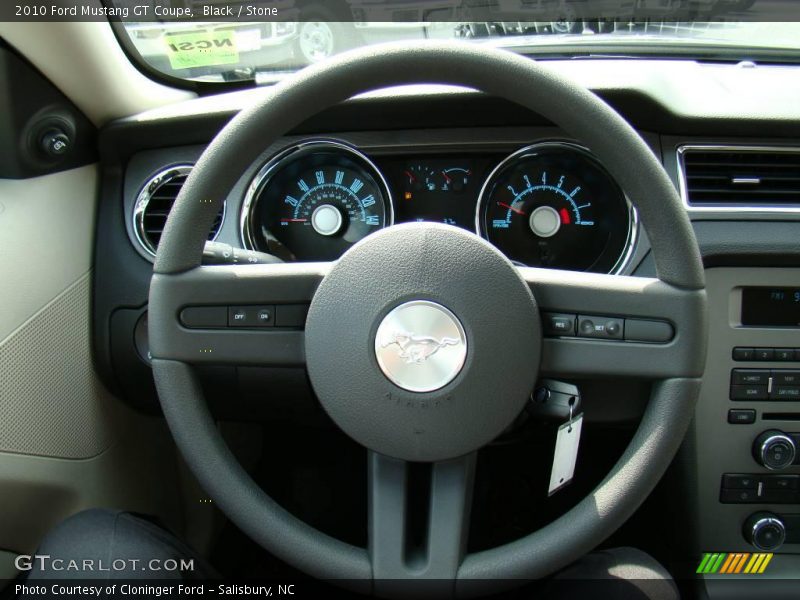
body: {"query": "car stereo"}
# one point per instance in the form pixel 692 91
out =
pixel 771 307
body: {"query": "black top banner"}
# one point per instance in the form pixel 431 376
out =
pixel 401 11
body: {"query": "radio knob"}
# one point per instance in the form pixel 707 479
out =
pixel 774 450
pixel 765 531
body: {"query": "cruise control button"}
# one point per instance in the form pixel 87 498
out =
pixel 748 392
pixel 614 329
pixel 600 327
pixel 559 324
pixel 242 316
pixel 265 316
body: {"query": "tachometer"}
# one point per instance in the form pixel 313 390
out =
pixel 554 205
pixel 314 201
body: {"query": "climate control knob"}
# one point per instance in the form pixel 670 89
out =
pixel 765 531
pixel 774 450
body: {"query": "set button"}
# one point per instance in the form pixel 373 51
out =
pixel 607 328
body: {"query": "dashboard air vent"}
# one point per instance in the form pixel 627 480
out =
pixel 736 178
pixel 154 204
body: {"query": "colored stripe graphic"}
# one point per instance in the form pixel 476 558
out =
pixel 734 563
pixel 703 563
pixel 726 566
pixel 767 558
pixel 755 559
pixel 711 562
pixel 740 563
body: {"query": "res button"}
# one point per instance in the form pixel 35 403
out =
pixel 558 324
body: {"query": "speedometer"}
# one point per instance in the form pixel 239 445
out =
pixel 313 201
pixel 553 205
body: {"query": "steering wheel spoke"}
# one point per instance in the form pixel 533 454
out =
pixel 449 286
pixel 418 523
pixel 233 314
pixel 629 301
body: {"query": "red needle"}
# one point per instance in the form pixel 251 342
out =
pixel 509 207
pixel 446 177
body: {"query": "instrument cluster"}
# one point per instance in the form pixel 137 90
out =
pixel 550 205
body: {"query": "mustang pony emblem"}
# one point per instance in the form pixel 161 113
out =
pixel 416 349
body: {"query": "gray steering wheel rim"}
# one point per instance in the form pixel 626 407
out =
pixel 580 114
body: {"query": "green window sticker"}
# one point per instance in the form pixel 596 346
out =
pixel 202 49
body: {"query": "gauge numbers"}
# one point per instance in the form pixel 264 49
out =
pixel 553 205
pixel 315 201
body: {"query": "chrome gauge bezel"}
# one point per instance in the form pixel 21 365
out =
pixel 627 253
pixel 290 154
pixel 143 201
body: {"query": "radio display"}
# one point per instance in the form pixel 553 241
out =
pixel 771 307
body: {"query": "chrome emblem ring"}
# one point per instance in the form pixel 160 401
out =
pixel 421 346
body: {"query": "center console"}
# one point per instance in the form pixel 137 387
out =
pixel 745 444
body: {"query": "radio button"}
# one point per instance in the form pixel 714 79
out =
pixel 741 416
pixel 785 393
pixel 764 354
pixel 748 392
pixel 750 377
pixel 743 354
pixel 785 378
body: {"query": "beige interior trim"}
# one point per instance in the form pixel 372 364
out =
pixel 39 492
pixel 47 233
pixel 85 61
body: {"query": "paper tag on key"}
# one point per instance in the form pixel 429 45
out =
pixel 566 454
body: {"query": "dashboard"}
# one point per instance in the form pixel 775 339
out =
pixel 549 204
pixel 487 166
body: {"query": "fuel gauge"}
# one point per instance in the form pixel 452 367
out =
pixel 420 178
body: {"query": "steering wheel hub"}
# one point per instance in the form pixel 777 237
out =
pixel 423 342
pixel 421 346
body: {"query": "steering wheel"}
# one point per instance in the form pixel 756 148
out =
pixel 448 284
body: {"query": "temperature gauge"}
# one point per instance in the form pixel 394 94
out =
pixel 454 179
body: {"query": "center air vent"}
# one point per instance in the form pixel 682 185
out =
pixel 740 177
pixel 154 203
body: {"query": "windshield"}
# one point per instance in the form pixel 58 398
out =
pixel 263 41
